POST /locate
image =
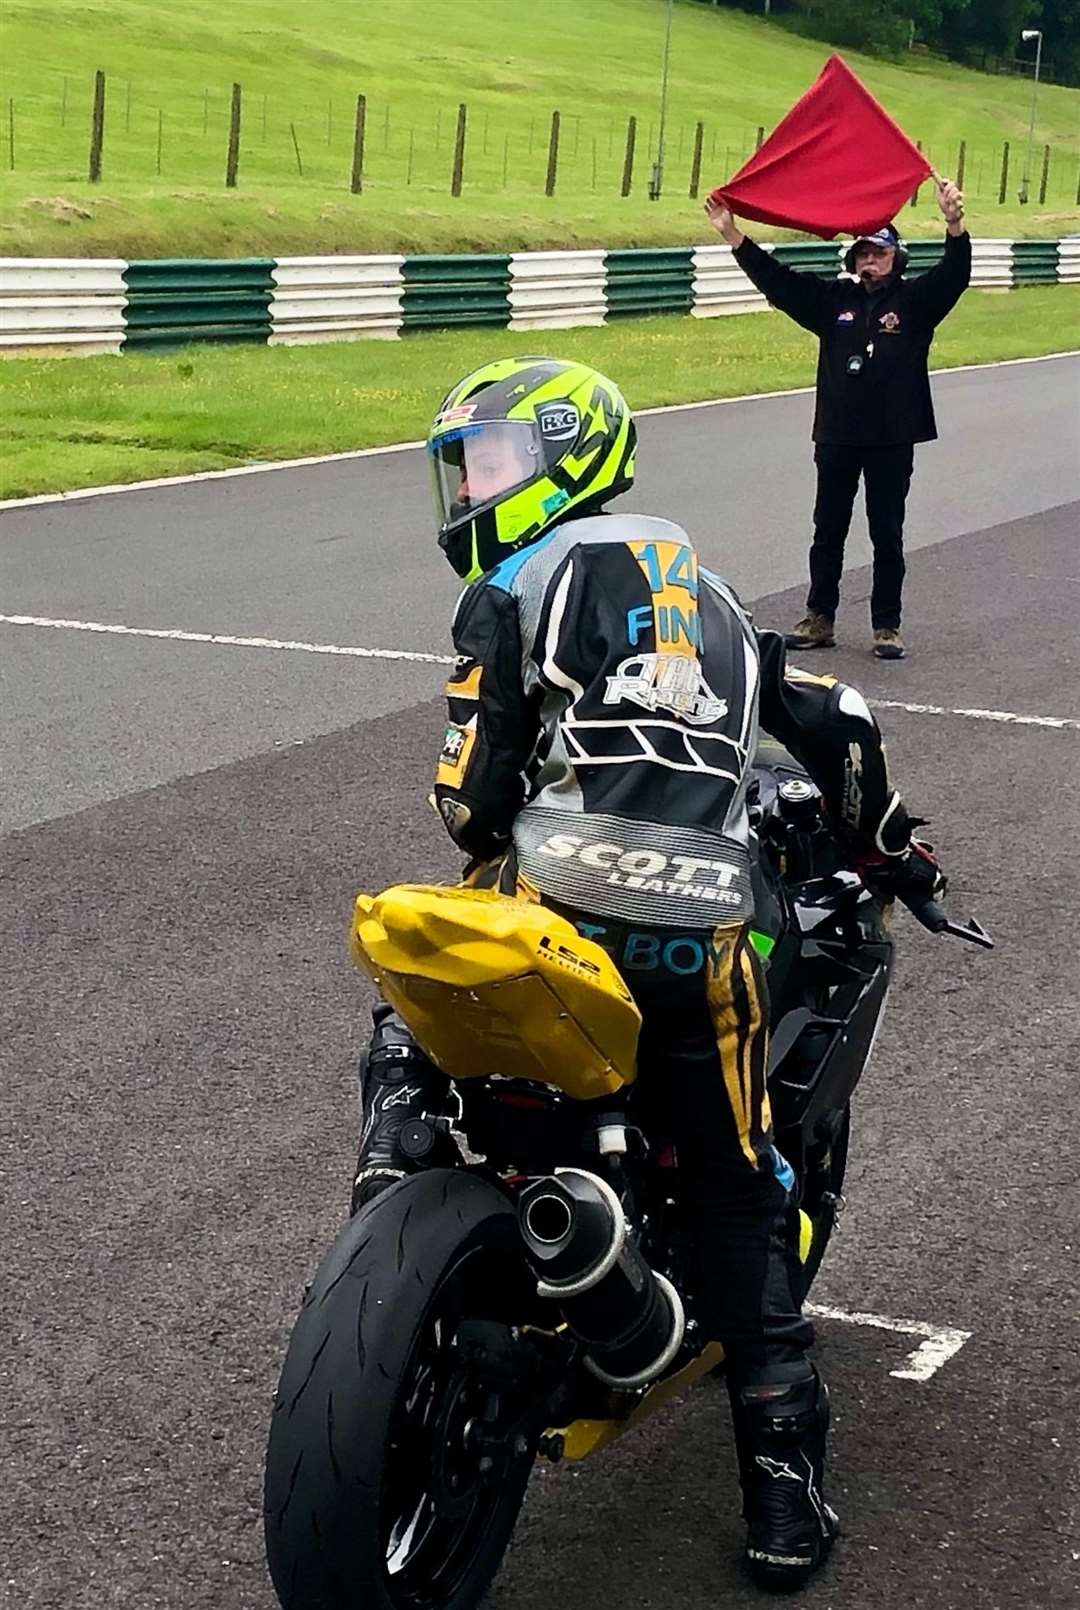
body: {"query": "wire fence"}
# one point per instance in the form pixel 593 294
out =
pixel 110 128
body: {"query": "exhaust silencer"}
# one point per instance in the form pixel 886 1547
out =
pixel 585 1260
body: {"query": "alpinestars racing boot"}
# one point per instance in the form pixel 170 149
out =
pixel 400 1093
pixel 781 1420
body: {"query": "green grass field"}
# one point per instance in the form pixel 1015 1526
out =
pixel 95 421
pixel 171 66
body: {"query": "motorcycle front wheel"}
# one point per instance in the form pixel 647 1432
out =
pixel 395 1467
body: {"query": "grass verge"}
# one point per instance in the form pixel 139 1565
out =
pixel 282 220
pixel 94 421
pixel 170 65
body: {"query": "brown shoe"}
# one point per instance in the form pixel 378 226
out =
pixel 813 631
pixel 888 644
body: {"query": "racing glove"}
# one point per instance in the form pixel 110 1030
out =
pixel 915 876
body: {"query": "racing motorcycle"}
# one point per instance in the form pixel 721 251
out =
pixel 526 1292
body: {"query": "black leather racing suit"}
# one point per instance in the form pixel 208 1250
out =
pixel 604 712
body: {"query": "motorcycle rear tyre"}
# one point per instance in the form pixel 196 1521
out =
pixel 368 1328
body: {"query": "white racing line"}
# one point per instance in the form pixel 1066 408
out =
pixel 227 640
pixel 977 715
pixel 940 1343
pixel 357 652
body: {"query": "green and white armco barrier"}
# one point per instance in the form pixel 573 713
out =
pixel 175 301
pixel 557 290
pixel 62 305
pixel 335 299
pixel 75 305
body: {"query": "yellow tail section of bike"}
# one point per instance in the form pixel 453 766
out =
pixel 490 984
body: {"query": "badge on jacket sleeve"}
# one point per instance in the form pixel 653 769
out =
pixel 456 749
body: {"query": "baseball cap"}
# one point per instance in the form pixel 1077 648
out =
pixel 885 236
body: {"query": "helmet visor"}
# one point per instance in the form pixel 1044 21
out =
pixel 477 463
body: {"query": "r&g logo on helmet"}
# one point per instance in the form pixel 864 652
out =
pixel 559 422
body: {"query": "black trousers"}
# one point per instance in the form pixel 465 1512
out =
pixel 886 472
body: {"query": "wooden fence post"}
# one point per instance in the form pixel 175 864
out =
pixel 961 163
pixel 97 127
pixel 628 160
pixel 459 151
pixel 553 156
pixel 1004 174
pixel 695 165
pixel 357 182
pixel 1045 175
pixel 233 162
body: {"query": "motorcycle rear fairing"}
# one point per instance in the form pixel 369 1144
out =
pixel 491 984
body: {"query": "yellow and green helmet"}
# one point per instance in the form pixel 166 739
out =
pixel 515 447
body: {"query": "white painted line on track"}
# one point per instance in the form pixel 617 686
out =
pixel 226 640
pixel 351 651
pixel 1010 717
pixel 940 1342
pixel 408 447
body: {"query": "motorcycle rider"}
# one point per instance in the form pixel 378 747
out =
pixel 604 710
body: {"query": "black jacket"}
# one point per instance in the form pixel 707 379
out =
pixel 604 715
pixel 887 402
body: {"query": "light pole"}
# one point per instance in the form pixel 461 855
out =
pixel 656 183
pixel 1031 33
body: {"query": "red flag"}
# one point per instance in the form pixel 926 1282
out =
pixel 837 163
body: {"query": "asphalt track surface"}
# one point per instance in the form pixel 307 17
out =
pixel 185 824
